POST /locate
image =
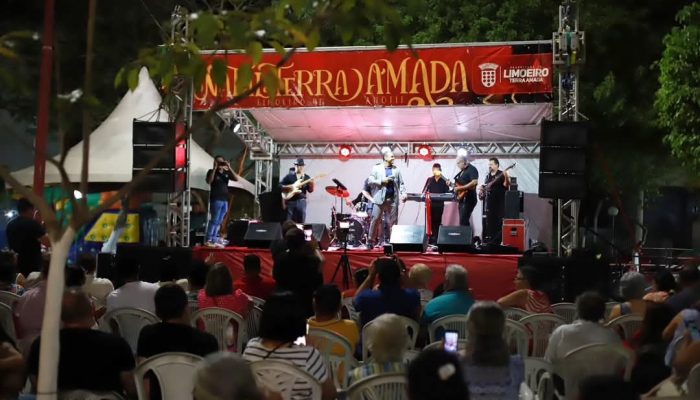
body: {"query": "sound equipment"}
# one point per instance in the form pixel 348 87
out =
pixel 271 206
pixel 564 133
pixel 321 234
pixel 149 140
pixel 455 239
pixel 236 231
pixel 563 163
pixel 260 234
pixel 408 238
pixel 513 234
pixel 513 206
pixel 562 186
pixel 492 248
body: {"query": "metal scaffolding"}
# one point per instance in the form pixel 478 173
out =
pixel 439 149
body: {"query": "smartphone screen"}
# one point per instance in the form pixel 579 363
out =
pixel 693 329
pixel 451 341
pixel 301 340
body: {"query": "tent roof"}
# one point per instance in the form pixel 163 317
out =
pixel 111 157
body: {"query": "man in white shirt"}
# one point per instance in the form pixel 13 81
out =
pixel 96 288
pixel 134 293
pixel 584 331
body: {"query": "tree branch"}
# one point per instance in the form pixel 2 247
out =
pixel 87 95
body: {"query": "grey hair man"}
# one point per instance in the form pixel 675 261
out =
pixel 223 376
pixel 457 299
pixel 465 181
pixel 387 189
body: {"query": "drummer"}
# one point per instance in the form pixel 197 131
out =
pixel 364 199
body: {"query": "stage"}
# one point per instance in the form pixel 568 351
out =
pixel 490 275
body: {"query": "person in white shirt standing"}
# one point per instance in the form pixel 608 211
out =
pixel 588 329
pixel 97 288
pixel 134 293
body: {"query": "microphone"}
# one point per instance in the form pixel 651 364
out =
pixel 340 185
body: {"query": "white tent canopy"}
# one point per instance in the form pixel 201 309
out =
pixel 111 157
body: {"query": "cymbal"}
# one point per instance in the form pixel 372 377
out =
pixel 334 191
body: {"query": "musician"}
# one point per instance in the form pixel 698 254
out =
pixel 363 197
pixel 434 185
pixel 296 206
pixel 493 194
pixel 388 188
pixel 465 186
pixel 218 178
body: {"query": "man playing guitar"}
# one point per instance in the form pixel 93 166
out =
pixel 493 193
pixel 465 189
pixel 296 205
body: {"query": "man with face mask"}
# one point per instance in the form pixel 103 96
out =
pixel 388 188
pixel 434 185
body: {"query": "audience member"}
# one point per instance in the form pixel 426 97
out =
pixel 687 356
pixel 29 312
pixel 436 375
pixel 389 297
pixel 8 274
pixel 649 368
pixel 419 277
pixel 253 283
pixel 675 330
pixel 282 322
pixel 89 359
pixel 489 369
pixel 689 289
pixel 12 368
pixel 218 292
pixel 455 300
pixel 299 269
pixel 25 236
pixel 197 278
pixel 167 270
pixel 358 277
pixel 134 293
pixel 600 387
pixel 527 295
pixel 663 287
pixel 97 288
pixel 326 310
pixel 75 278
pixel 588 329
pixel 225 376
pixel 387 341
pixel 279 247
pixel 633 286
pixel 34 277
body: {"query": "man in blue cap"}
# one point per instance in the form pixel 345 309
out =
pixel 296 205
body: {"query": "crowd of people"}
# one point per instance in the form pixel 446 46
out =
pixel 386 294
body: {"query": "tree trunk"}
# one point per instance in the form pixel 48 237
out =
pixel 51 324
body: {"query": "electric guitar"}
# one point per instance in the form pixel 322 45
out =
pixel 487 188
pixel 461 191
pixel 295 188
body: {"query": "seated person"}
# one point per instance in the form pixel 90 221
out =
pixel 326 309
pixel 97 288
pixel 29 312
pixel 218 292
pixel 358 277
pixel 8 274
pixel 282 322
pixel 168 273
pixel 389 297
pixel 134 293
pixel 12 374
pixel 456 298
pixel 419 277
pixel 436 375
pixel 664 286
pixel 633 287
pixel 527 296
pixel 600 387
pixel 688 289
pixel 387 341
pixel 197 279
pixel 253 283
pixel 80 364
pixel 225 376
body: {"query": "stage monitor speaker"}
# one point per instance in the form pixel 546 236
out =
pixel 455 239
pixel 513 204
pixel 321 234
pixel 569 133
pixel 408 238
pixel 563 160
pixel 562 186
pixel 260 234
pixel 271 206
pixel 236 231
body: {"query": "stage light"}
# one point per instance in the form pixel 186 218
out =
pixel 237 127
pixel 77 194
pixel 344 152
pixel 425 152
pixel 462 152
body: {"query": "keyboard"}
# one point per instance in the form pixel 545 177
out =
pixel 433 196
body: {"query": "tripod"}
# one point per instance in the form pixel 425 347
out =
pixel 341 234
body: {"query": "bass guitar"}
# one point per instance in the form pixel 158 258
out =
pixel 295 188
pixel 487 188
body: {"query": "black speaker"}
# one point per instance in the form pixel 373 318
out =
pixel 153 133
pixel 457 239
pixel 560 133
pixel 408 238
pixel 260 234
pixel 320 233
pixel 562 186
pixel 236 231
pixel 563 159
pixel 144 155
pixel 513 204
pixel 162 181
pixel 271 206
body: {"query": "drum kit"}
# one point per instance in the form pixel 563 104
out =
pixel 350 228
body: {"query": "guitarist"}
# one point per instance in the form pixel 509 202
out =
pixel 296 206
pixel 465 189
pixel 493 194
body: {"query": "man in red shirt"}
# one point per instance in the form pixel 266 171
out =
pixel 252 283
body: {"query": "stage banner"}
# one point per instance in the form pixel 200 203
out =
pixel 458 75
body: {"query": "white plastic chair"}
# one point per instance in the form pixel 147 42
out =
pixel 8 298
pixel 517 336
pixel 127 323
pixel 7 322
pixel 253 321
pixel 593 359
pixel 349 307
pixel 379 387
pixel 257 301
pixel 282 377
pixel 192 306
pixel 175 374
pixel 223 324
pixel 535 368
pixel 628 324
pixel 515 314
pixel 87 395
pixel 456 322
pixel 693 382
pixel 337 352
pixel 412 329
pixel 461 344
pixel 541 327
pixel 545 387
pixel 566 310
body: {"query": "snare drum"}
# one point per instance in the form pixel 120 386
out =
pixel 363 209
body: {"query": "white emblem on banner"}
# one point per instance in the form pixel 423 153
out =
pixel 488 74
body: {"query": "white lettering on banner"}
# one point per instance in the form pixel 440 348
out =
pixel 525 74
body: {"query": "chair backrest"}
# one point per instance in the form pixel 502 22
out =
pixel 127 323
pixel 545 387
pixel 535 368
pixel 517 336
pixel 175 374
pixel 253 321
pixel 257 301
pixel 285 378
pixel 8 298
pixel 515 314
pixel 593 359
pixel 412 330
pixel 693 382
pixel 541 327
pixel 566 310
pixel 628 324
pixel 88 395
pixel 227 326
pixel 193 306
pixel 6 321
pixel 461 344
pixel 379 387
pixel 456 322
pixel 337 352
pixel 349 307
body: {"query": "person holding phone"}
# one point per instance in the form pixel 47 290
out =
pixel 218 178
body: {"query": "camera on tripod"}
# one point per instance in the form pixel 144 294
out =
pixel 342 231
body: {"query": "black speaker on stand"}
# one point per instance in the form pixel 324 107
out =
pixel 563 160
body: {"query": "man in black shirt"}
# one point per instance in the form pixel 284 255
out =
pixel 218 178
pixel 296 206
pixel 465 189
pixel 25 237
pixel 494 190
pixel 434 185
pixel 89 359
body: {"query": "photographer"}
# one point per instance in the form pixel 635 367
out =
pixel 218 178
